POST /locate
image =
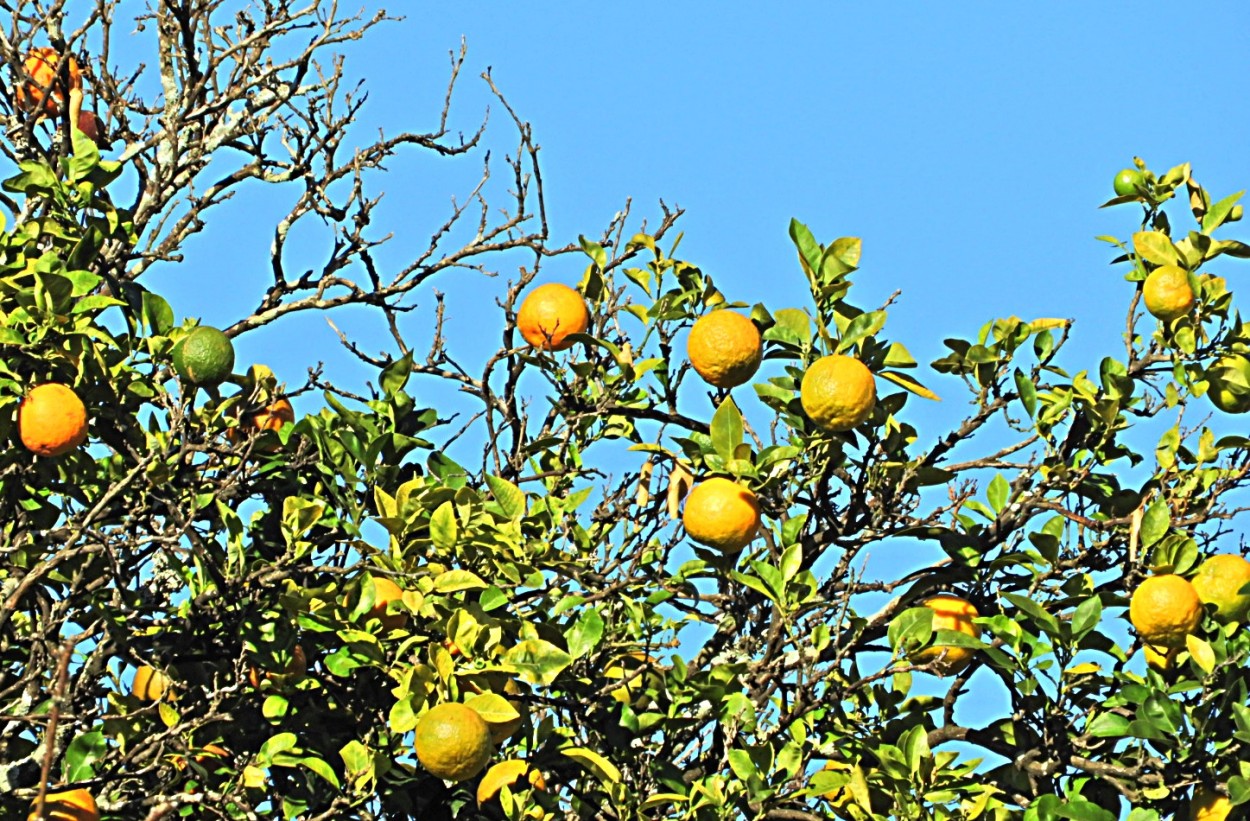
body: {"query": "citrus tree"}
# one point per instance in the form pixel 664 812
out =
pixel 632 574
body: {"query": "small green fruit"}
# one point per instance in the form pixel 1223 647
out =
pixel 205 356
pixel 1129 182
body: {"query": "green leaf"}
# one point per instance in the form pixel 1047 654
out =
pixel 493 708
pixel 1108 725
pixel 727 430
pixel 511 498
pixel 443 527
pixel 275 707
pixel 395 375
pixel 82 754
pixel 911 629
pixel 861 327
pixel 997 493
pixel 1154 523
pixel 1027 391
pixel 585 633
pixel 1086 616
pixel 157 314
pixel 538 661
pixel 1218 213
pixel 603 769
pixel 808 248
pixel 791 326
pixel 453 581
pixel 1155 247
pixel 321 768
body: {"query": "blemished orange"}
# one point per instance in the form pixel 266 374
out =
pixel 724 348
pixel 386 591
pixel 1167 293
pixel 1164 609
pixel 1209 805
pixel 722 514
pixel 150 684
pixel 52 420
pixel 508 773
pixel 41 64
pixel 296 668
pixel 949 613
pixel 1219 582
pixel 453 742
pixel 550 315
pixel 70 805
pixel 838 393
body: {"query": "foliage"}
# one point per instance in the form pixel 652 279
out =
pixel 546 582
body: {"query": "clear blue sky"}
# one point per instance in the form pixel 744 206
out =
pixel 969 145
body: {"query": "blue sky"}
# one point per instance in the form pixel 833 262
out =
pixel 968 145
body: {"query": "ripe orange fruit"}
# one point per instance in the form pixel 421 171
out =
pixel 1167 294
pixel 205 356
pixel 721 513
pixel 949 613
pixel 724 348
pixel 150 684
pixel 386 591
pixel 1219 582
pixel 453 742
pixel 71 805
pixel 272 417
pixel 550 314
pixel 507 773
pixel 41 64
pixel 1209 805
pixel 1128 182
pixel 296 668
pixel 1164 609
pixel 52 420
pixel 838 392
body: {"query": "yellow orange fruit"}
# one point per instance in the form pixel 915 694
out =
pixel 386 591
pixel 52 420
pixel 150 684
pixel 1209 805
pixel 1161 660
pixel 838 393
pixel 550 315
pixel 453 742
pixel 41 65
pixel 1219 582
pixel 507 773
pixel 638 680
pixel 722 514
pixel 1167 293
pixel 1164 609
pixel 1229 380
pixel 724 348
pixel 949 613
pixel 70 805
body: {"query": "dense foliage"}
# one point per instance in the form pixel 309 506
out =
pixel 547 581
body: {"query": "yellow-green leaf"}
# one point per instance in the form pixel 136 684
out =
pixel 905 381
pixel 1200 652
pixel 603 769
